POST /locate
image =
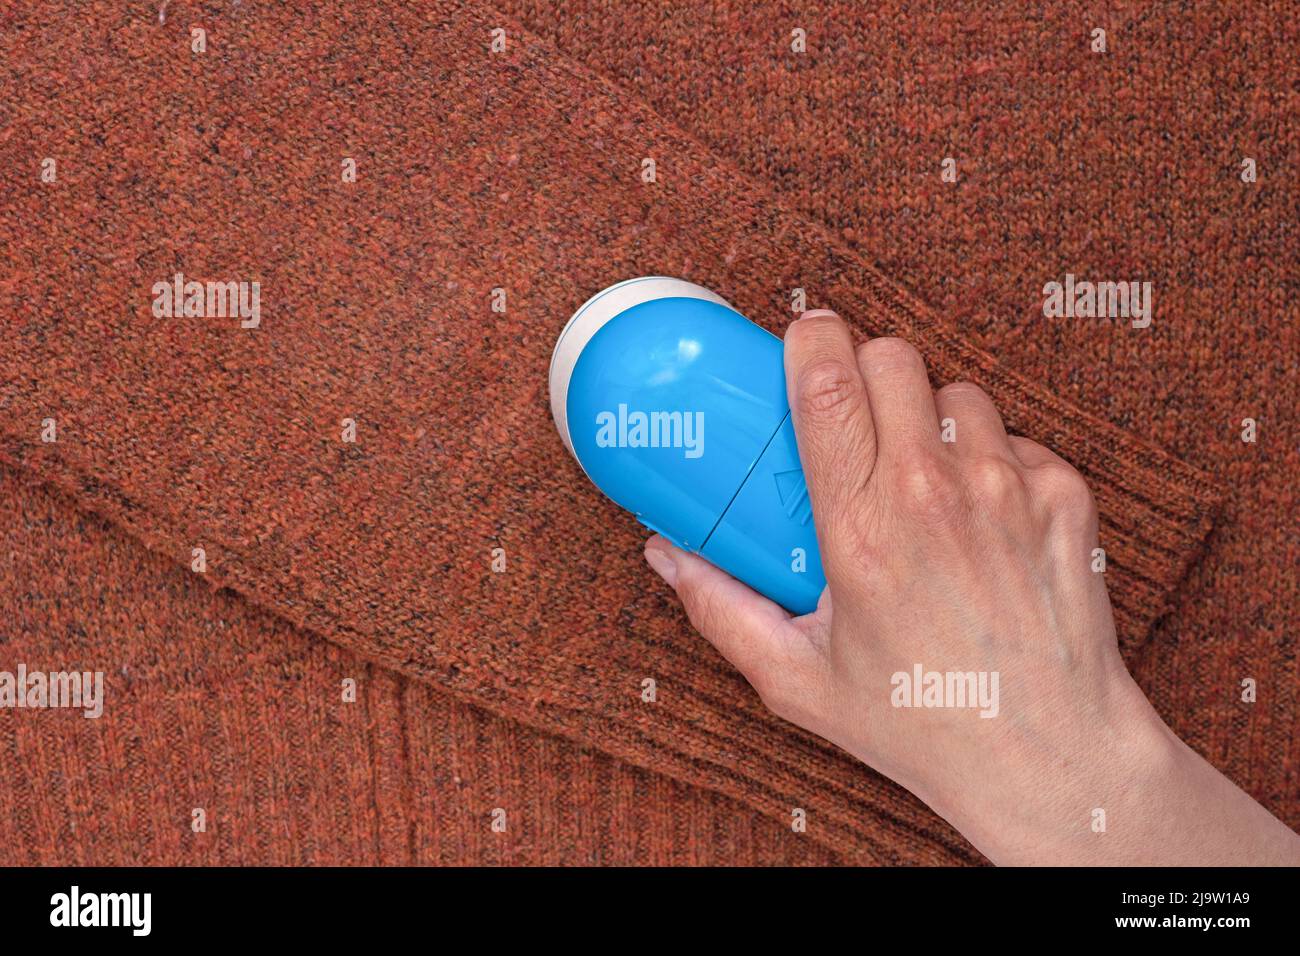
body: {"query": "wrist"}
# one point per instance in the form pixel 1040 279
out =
pixel 1079 784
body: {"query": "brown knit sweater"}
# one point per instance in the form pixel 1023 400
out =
pixel 520 690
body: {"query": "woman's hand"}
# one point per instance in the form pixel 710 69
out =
pixel 967 557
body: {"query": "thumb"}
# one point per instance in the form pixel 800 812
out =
pixel 753 633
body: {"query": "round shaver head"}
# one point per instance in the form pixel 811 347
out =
pixel 592 316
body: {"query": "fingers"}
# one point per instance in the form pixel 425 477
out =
pixel 1032 454
pixel 902 403
pixel 968 416
pixel 832 422
pixel 750 631
pixel 1058 486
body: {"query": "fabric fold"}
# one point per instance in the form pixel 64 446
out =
pixel 481 178
pixel 212 703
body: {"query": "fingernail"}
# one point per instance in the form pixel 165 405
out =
pixel 817 313
pixel 663 564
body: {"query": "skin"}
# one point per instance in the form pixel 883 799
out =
pixel 971 555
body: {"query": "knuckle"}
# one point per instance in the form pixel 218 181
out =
pixel 1085 512
pixel 928 490
pixel 828 389
pixel 1031 454
pixel 1069 496
pixel 1065 485
pixel 994 481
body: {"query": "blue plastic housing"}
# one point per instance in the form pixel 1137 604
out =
pixel 677 410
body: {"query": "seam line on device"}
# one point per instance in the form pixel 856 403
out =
pixel 740 486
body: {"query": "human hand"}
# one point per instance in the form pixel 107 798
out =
pixel 971 558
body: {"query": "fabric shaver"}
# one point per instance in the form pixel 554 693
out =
pixel 674 404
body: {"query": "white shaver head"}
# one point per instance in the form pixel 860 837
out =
pixel 592 316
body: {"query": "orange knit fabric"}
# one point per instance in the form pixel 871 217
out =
pixel 522 171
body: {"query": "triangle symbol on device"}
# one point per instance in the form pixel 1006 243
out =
pixel 793 492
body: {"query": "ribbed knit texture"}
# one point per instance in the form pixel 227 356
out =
pixel 476 171
pixel 212 703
